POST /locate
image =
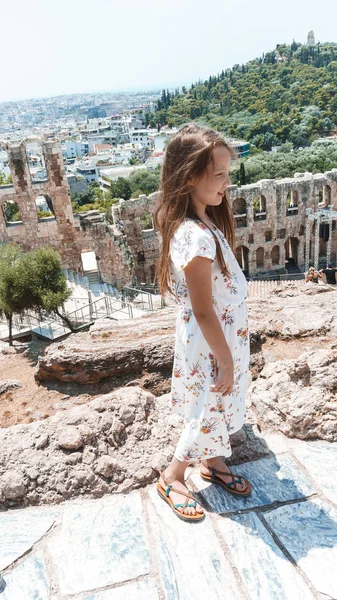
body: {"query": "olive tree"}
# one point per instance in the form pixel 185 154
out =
pixel 31 281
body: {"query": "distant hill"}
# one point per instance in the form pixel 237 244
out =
pixel 287 95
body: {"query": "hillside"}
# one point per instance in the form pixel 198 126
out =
pixel 287 95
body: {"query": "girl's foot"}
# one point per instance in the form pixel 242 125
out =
pixel 218 464
pixel 176 497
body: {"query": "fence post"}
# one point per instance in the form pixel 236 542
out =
pixel 90 304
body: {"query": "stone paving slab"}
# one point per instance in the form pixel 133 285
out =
pixel 100 543
pixel 273 480
pixel 141 590
pixel 22 528
pixel 191 560
pixel 266 572
pixel 320 460
pixel 28 581
pixel 308 530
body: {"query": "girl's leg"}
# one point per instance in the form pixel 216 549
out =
pixel 175 475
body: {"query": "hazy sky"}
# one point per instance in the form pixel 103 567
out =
pixel 51 47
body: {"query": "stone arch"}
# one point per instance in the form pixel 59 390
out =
pixel 242 256
pixel 240 212
pixel 275 255
pixel 260 208
pixel 260 258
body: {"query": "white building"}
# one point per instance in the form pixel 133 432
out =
pixel 141 136
pixel 78 148
pixel 89 172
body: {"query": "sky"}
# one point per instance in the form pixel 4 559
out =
pixel 54 47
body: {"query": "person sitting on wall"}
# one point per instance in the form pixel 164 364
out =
pixel 313 276
pixel 331 274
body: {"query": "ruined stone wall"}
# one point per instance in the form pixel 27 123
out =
pixel 281 230
pixel 62 231
pixel 270 217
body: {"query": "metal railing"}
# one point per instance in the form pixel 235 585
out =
pixel 142 296
pixel 50 328
pixel 103 307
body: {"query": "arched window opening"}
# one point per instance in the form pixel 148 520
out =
pixel 146 221
pixel 260 258
pixel 242 256
pixel 35 160
pixel 292 203
pixel 44 207
pixel 240 212
pixel 275 255
pixel 291 251
pixel 12 213
pixel 320 197
pixel 260 208
pixel 5 173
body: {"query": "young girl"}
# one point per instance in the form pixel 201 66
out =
pixel 197 266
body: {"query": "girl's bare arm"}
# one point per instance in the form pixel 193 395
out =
pixel 198 275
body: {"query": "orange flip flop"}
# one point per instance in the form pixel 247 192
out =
pixel 232 485
pixel 164 494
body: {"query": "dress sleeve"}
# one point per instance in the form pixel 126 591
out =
pixel 191 240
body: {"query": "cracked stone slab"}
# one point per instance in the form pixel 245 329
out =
pixel 275 479
pixel 140 590
pixel 101 542
pixel 21 529
pixel 308 530
pixel 192 563
pixel 28 581
pixel 320 460
pixel 265 571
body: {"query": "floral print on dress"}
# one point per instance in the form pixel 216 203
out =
pixel 208 417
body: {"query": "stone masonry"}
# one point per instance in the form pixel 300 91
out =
pixel 270 219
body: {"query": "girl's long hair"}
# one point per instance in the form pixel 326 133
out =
pixel 187 155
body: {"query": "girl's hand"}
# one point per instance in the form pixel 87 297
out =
pixel 225 377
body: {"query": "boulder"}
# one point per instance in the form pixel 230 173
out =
pixel 298 398
pixel 117 442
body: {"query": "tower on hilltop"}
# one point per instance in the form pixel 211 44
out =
pixel 311 39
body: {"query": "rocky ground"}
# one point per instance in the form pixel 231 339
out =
pixel 91 417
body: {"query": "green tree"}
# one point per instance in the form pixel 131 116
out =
pixel 242 174
pixel 32 280
pixel 121 188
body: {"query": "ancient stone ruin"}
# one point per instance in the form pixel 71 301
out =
pixel 270 217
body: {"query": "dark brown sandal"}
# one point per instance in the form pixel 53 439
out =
pixel 232 485
pixel 164 494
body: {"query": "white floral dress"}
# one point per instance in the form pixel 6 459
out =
pixel 208 417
